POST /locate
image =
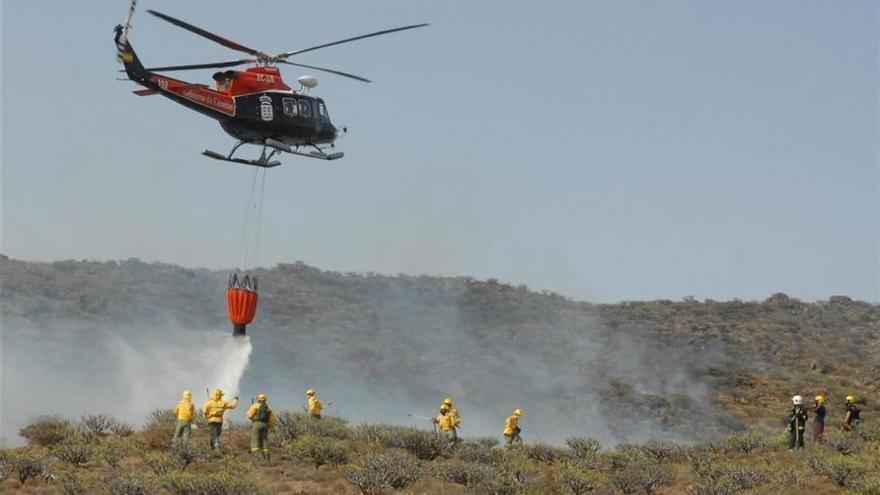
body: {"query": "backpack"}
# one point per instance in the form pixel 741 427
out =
pixel 262 414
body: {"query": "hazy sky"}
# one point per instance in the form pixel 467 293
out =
pixel 604 150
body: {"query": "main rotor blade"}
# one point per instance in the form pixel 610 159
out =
pixel 377 33
pixel 338 73
pixel 211 36
pixel 213 65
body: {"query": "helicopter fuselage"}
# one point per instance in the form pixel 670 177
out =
pixel 249 112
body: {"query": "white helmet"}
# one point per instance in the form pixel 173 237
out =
pixel 797 400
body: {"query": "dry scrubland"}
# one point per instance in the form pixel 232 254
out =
pixel 749 356
pixel 98 454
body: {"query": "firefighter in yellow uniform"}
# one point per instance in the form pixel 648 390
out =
pixel 456 417
pixel 184 411
pixel 315 405
pixel 511 428
pixel 262 418
pixel 214 410
pixel 446 424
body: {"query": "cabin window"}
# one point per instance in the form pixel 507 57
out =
pixel 322 111
pixel 305 108
pixel 290 107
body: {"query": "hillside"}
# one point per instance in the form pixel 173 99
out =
pixel 385 346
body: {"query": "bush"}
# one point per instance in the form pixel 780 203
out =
pixel 7 464
pixel 94 426
pixel 290 425
pixel 713 487
pixel 75 452
pixel 160 417
pixel 546 454
pixel 112 453
pixel 867 487
pixel 376 434
pixel 28 467
pixel 185 453
pixel 486 442
pixel 463 473
pixel 663 451
pixel 845 444
pixel 425 445
pixel 71 484
pixel 743 476
pixel 318 450
pixel 46 431
pixel 513 474
pixel 214 483
pixel 583 448
pixel 160 463
pixel 393 469
pixel 843 470
pixel 473 452
pixel 746 443
pixel 576 478
pixel 642 477
pixel 129 484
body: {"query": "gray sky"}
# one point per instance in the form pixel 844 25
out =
pixel 604 150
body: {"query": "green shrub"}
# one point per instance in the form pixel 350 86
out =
pixel 486 442
pixel 425 445
pixel 473 452
pixel 513 473
pixel 71 484
pixel 583 448
pixel 129 484
pixel 463 473
pixel 160 417
pixel 95 426
pixel 743 476
pixel 376 434
pixel 642 477
pixel 844 470
pixel 746 443
pixel 546 454
pixel 713 487
pixel 186 453
pixel 392 469
pixel 318 450
pixel 46 431
pixel 113 452
pixel 845 444
pixel 576 478
pixel 214 483
pixel 663 451
pixel 291 425
pixel 27 467
pixel 75 452
pixel 7 464
pixel 161 463
pixel 866 487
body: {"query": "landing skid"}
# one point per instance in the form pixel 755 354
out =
pixel 265 163
pixel 265 160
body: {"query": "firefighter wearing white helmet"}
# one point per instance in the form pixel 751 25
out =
pixel 797 423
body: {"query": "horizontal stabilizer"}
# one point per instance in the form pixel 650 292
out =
pixel 145 92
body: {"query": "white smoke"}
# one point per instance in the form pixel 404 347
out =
pixel 125 374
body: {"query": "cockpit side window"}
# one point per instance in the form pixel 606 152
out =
pixel 305 108
pixel 290 107
pixel 322 111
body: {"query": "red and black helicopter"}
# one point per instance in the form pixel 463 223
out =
pixel 254 105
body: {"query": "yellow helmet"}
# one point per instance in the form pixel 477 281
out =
pixel 444 408
pixel 187 395
pixel 217 394
pixel 850 398
pixel 261 397
pixel 517 412
pixel 310 392
pixel 447 401
pixel 820 399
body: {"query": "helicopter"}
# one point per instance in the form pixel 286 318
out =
pixel 253 105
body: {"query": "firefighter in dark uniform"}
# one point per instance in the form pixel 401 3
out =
pixel 852 419
pixel 797 423
pixel 819 419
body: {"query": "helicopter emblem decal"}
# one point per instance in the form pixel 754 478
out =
pixel 266 112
